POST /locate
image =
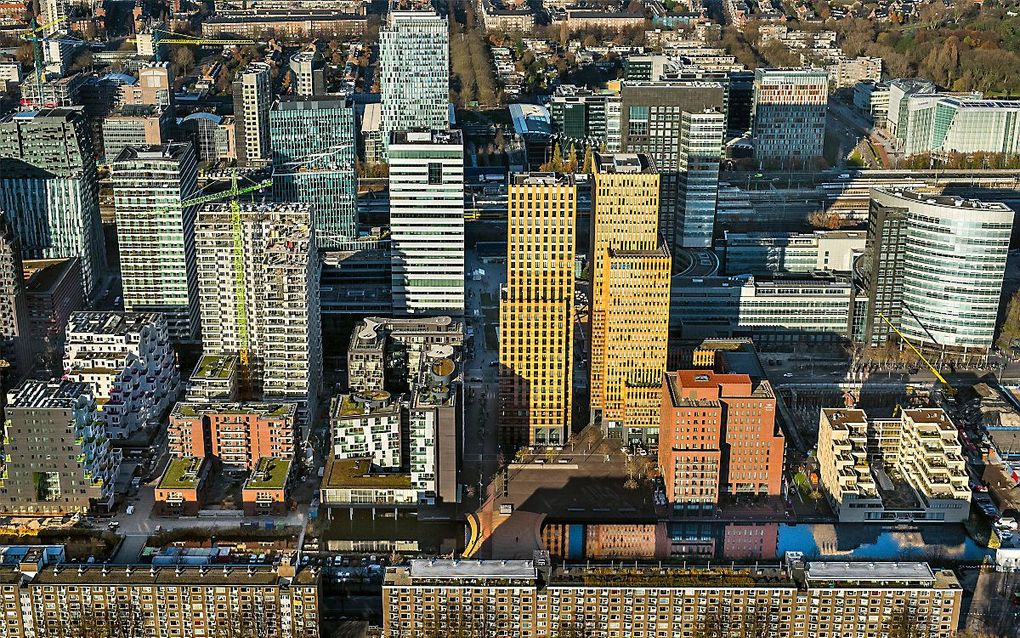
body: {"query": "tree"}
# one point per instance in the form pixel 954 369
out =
pixel 1010 330
pixel 183 60
pixel 589 160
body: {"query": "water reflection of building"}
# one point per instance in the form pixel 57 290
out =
pixel 606 540
pixel 750 541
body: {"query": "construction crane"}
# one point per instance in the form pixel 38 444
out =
pixel 240 304
pixel 34 35
pixel 172 37
pixel 950 390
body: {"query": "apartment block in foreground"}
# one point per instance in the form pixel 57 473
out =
pixel 532 599
pixel 47 598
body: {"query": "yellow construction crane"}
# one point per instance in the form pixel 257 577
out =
pixel 241 305
pixel 164 36
pixel 950 390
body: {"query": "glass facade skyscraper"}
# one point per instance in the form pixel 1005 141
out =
pixel 414 69
pixel 313 163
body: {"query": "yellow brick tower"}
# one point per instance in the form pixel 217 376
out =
pixel 536 319
pixel 630 297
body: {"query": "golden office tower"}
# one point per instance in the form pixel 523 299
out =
pixel 630 297
pixel 536 314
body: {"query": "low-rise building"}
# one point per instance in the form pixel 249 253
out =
pixel 182 488
pixel 127 360
pixel 390 351
pixel 265 491
pixel 762 253
pixel 533 598
pixel 436 416
pixel 906 469
pixel 307 23
pixel 214 379
pixel 802 307
pixel 352 483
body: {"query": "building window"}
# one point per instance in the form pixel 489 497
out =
pixel 435 174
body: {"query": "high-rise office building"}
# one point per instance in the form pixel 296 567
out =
pixel 718 435
pixel 414 72
pixel 788 116
pixel 427 222
pixel 259 294
pixel 15 329
pixel 630 297
pixel 49 188
pixel 701 137
pixel 585 117
pixel 156 236
pixel 313 162
pixel 57 455
pixel 933 267
pixel 253 95
pixel 652 122
pixel 536 313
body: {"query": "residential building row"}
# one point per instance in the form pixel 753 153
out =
pixel 46 596
pixel 796 600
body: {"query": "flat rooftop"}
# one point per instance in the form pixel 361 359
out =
pixel 869 572
pixel 264 410
pixel 269 474
pixel 109 322
pixel 182 473
pixel 451 137
pixel 357 473
pixel 33 393
pixel 624 163
pixel 945 201
pixel 438 569
pixel 214 366
pixel 541 179
pixel 203 575
pixel 42 276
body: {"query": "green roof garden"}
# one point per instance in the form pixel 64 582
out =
pixel 182 473
pixel 269 474
pixel 215 367
pixel 357 473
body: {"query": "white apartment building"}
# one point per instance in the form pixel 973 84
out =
pixel 127 362
pixel 253 96
pixel 427 222
pixel 156 235
pixel 414 72
pixel 436 416
pixel 909 468
pixel 367 425
pixel 259 295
